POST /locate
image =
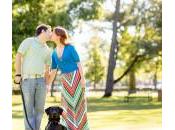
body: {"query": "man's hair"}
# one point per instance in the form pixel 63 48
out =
pixel 41 27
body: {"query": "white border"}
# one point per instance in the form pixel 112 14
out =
pixel 168 65
pixel 5 64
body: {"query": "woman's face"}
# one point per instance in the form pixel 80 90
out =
pixel 55 37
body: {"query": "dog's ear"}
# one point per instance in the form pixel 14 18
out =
pixel 60 110
pixel 47 110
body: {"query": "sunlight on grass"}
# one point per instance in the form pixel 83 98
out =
pixel 111 113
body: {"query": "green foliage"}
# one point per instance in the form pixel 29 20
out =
pixel 28 14
pixel 95 67
pixel 146 39
pixel 86 10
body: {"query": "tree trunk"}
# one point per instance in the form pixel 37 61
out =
pixel 155 77
pixel 94 85
pixel 132 82
pixel 129 68
pixel 160 95
pixel 155 81
pixel 113 53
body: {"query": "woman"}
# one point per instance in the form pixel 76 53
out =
pixel 73 101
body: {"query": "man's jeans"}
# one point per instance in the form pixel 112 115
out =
pixel 34 91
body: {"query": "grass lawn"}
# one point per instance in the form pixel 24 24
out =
pixel 105 114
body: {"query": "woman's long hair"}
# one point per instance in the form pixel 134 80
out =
pixel 59 31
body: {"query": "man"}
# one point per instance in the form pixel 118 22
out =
pixel 32 67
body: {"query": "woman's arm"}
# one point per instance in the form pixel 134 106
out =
pixel 52 76
pixel 46 74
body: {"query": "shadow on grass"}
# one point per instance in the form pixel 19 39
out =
pixel 16 104
pixel 102 104
pixel 17 114
pixel 106 104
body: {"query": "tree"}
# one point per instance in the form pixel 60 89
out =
pixel 145 44
pixel 95 67
pixel 113 53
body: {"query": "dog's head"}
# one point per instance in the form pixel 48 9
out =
pixel 54 112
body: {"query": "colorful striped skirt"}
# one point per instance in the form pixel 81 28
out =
pixel 73 101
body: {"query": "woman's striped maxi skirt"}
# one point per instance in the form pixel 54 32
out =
pixel 73 101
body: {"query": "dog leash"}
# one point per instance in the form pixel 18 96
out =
pixel 55 77
pixel 23 100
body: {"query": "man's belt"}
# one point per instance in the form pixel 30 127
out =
pixel 32 76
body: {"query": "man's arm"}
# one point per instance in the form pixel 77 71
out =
pixel 18 67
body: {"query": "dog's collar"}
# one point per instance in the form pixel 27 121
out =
pixel 51 116
pixel 54 122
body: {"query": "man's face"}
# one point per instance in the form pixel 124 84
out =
pixel 54 37
pixel 48 34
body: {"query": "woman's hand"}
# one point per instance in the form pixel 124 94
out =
pixel 48 87
pixel 51 77
pixel 46 76
pixel 83 83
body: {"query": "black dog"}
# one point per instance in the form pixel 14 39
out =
pixel 54 113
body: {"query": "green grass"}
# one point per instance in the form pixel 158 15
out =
pixel 105 114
